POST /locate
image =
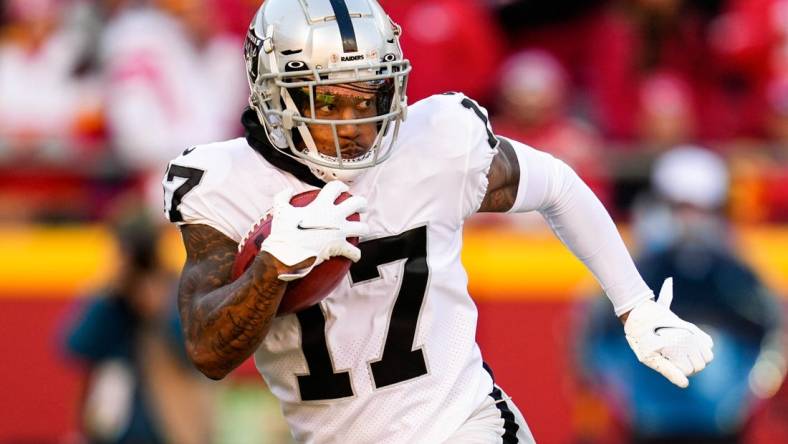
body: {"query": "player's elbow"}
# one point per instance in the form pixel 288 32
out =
pixel 563 184
pixel 565 178
pixel 207 363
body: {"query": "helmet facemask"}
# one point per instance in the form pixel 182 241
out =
pixel 299 97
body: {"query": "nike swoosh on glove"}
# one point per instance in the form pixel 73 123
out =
pixel 319 229
pixel 666 343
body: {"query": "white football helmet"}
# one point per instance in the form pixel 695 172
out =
pixel 294 47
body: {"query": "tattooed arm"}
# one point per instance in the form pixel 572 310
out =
pixel 503 180
pixel 225 322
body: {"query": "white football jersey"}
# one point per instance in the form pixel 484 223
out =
pixel 390 356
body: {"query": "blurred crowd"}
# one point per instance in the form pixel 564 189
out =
pixel 96 95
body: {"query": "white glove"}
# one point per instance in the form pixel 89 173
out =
pixel 319 229
pixel 662 341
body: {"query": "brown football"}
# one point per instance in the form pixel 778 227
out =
pixel 312 288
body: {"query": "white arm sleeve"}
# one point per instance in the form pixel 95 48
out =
pixel 579 219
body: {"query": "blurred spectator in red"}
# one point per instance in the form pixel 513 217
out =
pixel 44 103
pixel 777 111
pixel 751 38
pixel 775 188
pixel 232 16
pixel 635 38
pixel 666 114
pixel 454 45
pixel 559 27
pixel 532 109
pixel 771 426
pixel 760 170
pixel 172 81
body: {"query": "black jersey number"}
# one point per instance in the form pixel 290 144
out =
pixel 467 103
pixel 471 105
pixel 193 177
pixel 399 361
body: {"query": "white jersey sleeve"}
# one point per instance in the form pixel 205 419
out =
pixel 481 151
pixel 189 185
pixel 224 185
pixel 463 144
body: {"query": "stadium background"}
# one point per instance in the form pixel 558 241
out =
pixel 87 119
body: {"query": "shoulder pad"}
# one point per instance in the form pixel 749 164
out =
pixel 197 172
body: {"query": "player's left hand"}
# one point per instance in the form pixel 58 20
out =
pixel 666 343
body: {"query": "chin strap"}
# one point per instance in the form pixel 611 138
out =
pixel 258 140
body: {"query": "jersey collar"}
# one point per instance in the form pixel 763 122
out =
pixel 258 140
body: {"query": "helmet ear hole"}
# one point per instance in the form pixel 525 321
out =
pixel 278 137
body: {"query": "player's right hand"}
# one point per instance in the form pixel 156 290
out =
pixel 319 229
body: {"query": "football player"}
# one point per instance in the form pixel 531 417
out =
pixel 390 355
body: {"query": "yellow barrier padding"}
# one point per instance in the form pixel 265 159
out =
pixel 766 250
pixel 54 262
pixel 512 265
pixel 502 264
